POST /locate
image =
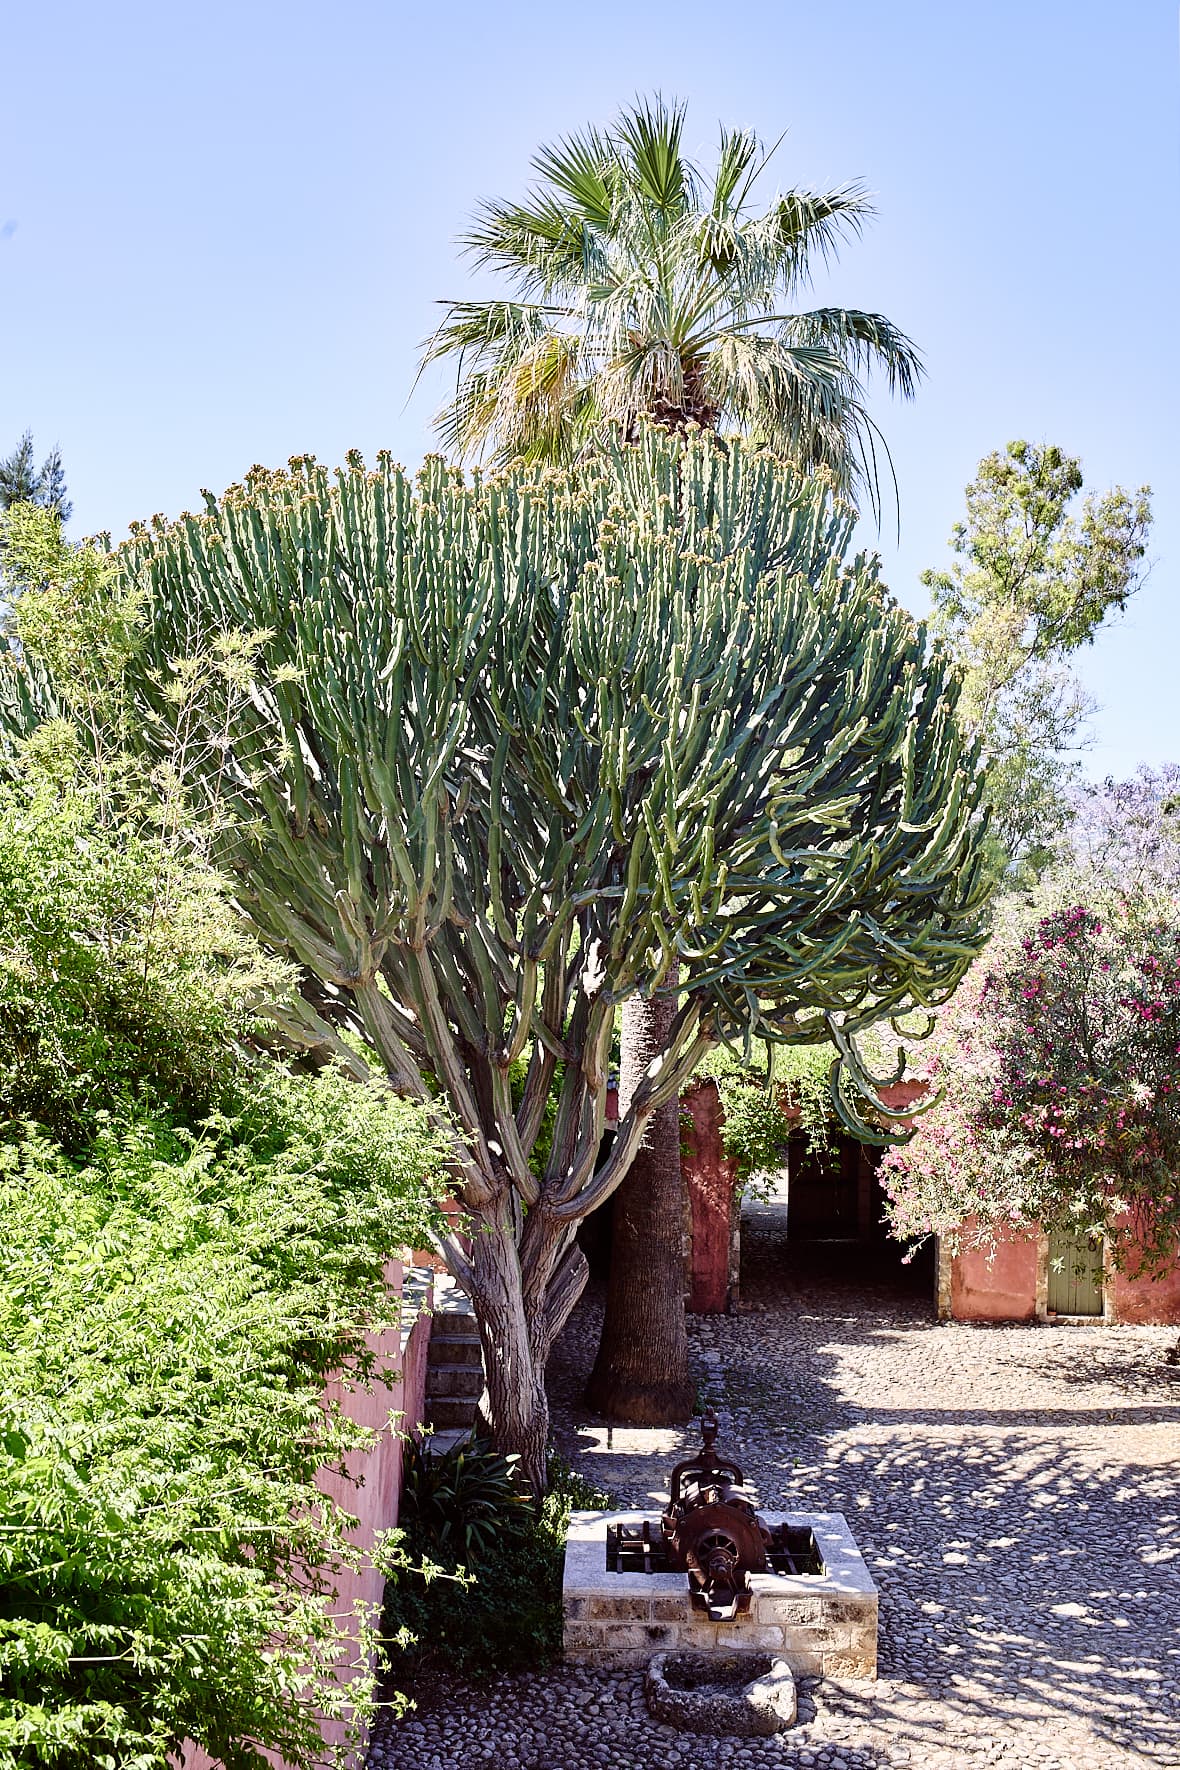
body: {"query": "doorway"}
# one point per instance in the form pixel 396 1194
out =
pixel 1075 1274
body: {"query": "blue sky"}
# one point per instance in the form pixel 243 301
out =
pixel 223 231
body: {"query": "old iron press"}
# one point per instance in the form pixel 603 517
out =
pixel 712 1531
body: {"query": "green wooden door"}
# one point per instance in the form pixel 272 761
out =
pixel 1075 1274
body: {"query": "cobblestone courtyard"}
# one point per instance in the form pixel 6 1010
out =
pixel 1016 1494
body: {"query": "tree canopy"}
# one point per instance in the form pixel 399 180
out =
pixel 23 482
pixel 518 749
pixel 1032 580
pixel 641 285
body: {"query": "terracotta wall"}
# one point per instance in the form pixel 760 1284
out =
pixel 710 1180
pixel 1133 1297
pixel 1000 1288
pixel 1013 1286
pixel 373 1486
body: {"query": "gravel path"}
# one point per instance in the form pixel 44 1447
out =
pixel 1015 1492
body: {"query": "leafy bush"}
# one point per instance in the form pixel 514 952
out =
pixel 461 1500
pixel 1059 1080
pixel 126 981
pixel 193 1240
pixel 495 1609
pixel 168 1312
pixel 767 1096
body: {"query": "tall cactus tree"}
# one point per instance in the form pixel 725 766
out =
pixel 523 748
pixel 641 284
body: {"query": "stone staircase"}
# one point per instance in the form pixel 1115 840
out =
pixel 454 1368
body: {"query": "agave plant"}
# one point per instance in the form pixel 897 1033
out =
pixel 464 1499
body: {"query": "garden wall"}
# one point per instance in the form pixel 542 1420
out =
pixel 1013 1285
pixel 713 1256
pixel 999 1288
pixel 1135 1298
pixel 373 1486
pixel 973 1285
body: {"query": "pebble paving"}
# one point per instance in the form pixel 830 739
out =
pixel 1015 1492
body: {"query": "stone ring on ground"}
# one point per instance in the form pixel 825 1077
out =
pixel 751 1694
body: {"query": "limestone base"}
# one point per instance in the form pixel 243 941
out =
pixel 821 1625
pixel 746 1694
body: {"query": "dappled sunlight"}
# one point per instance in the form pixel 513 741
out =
pixel 1015 1492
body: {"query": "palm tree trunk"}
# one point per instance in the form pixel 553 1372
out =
pixel 641 1372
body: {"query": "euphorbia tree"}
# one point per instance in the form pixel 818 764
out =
pixel 637 284
pixel 524 747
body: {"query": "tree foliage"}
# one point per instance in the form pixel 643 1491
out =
pixel 192 1239
pixel 123 988
pixel 1032 581
pixel 169 1309
pixel 519 749
pixel 23 482
pixel 1057 1067
pixel 641 285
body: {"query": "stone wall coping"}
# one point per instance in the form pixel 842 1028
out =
pixel 845 1571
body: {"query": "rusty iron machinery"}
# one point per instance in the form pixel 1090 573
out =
pixel 712 1530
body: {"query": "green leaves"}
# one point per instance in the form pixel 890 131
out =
pixel 168 1313
pixel 463 1501
pixel 641 287
pixel 1033 580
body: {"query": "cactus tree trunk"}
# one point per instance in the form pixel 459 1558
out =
pixel 511 1329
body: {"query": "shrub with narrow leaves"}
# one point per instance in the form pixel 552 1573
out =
pixel 1059 1067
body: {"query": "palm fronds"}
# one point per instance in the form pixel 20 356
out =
pixel 645 287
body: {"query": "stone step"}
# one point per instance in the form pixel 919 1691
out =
pixel 448 1348
pixel 454 1379
pixel 451 1410
pixel 437 1444
pixel 449 1299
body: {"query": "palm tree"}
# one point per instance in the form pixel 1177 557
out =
pixel 641 288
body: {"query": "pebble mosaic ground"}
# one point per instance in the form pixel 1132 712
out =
pixel 1016 1494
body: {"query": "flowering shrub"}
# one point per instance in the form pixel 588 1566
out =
pixel 1059 1070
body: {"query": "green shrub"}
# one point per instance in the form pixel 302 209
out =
pixel 754 1091
pixel 126 983
pixel 192 1240
pixel 169 1308
pixel 461 1500
pixel 495 1609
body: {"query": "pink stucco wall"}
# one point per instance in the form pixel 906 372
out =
pixel 1005 1288
pixel 1002 1287
pixel 372 1487
pixel 1135 1297
pixel 709 1178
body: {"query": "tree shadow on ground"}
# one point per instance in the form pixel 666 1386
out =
pixel 1016 1494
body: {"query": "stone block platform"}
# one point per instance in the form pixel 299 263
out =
pixel 823 1625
